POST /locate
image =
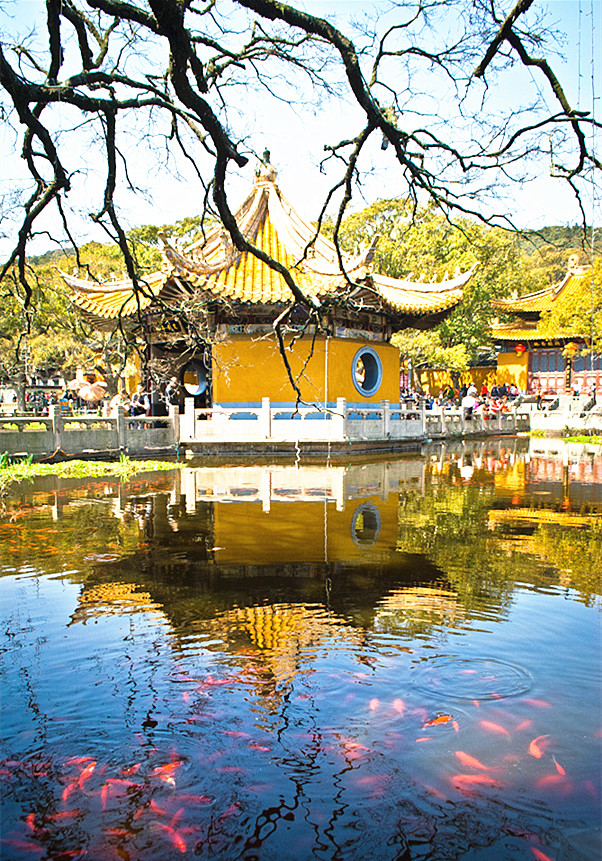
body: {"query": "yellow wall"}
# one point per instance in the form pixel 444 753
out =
pixel 305 534
pixel 247 369
pixel 437 380
pixel 512 368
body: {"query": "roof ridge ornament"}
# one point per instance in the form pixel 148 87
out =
pixel 265 171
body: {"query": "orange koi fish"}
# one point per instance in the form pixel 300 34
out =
pixel 439 719
pixel 550 780
pixel 30 819
pixel 117 832
pixel 535 748
pixel 71 787
pixel 399 706
pixel 524 725
pixel 470 761
pixel 78 760
pixel 542 704
pixel 541 856
pixel 133 770
pixel 374 704
pixel 494 727
pixel 559 768
pixel 64 814
pixel 470 779
pixel 424 738
pixel 25 846
pixel 86 773
pixel 165 772
pixel 194 799
pixel 156 809
pixel 261 747
pixel 235 734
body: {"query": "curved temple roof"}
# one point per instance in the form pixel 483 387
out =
pixel 216 271
pixel 528 308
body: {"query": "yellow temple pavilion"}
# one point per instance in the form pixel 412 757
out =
pixel 237 297
pixel 537 361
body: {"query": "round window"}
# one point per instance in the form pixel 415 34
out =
pixel 194 378
pixel 365 524
pixel 367 371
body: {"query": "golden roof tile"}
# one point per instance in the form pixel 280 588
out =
pixel 218 271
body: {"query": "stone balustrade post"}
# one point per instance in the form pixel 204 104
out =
pixel 187 421
pixel 56 417
pixel 174 422
pixel 265 418
pixel 121 428
pixel 338 419
pixel 386 420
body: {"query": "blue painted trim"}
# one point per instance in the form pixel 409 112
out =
pixel 373 368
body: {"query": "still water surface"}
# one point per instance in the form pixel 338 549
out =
pixel 389 660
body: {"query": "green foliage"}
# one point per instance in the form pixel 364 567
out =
pixel 583 316
pixel 12 470
pixel 425 244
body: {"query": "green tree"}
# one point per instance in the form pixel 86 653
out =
pixel 424 243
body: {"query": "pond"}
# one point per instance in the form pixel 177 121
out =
pixel 397 659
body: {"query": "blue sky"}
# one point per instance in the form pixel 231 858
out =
pixel 296 133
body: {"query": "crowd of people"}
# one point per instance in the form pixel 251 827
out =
pixel 485 401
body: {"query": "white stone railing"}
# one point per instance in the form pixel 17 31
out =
pixel 380 421
pixel 87 434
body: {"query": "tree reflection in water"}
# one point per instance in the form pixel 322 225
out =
pixel 364 661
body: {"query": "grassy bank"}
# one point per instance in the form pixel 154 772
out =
pixel 124 468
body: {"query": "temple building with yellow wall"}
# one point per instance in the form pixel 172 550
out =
pixel 536 360
pixel 209 315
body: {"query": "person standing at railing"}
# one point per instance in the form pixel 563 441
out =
pixel 140 403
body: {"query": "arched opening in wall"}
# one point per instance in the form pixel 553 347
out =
pixel 365 524
pixel 367 371
pixel 196 382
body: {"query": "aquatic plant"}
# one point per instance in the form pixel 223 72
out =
pixel 13 470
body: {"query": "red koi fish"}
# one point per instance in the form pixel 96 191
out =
pixel 470 761
pixel 541 856
pixel 494 727
pixel 30 821
pixel 524 725
pixel 535 748
pixel 439 719
pixel 133 770
pixel 374 704
pixel 261 747
pixel 542 704
pixel 235 734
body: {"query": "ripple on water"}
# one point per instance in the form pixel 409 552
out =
pixel 465 679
